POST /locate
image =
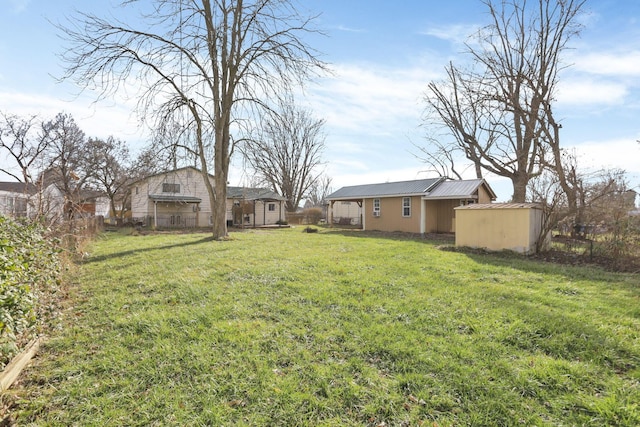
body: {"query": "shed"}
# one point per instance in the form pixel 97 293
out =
pixel 500 226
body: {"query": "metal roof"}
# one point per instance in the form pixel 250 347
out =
pixel 252 194
pixel 174 198
pixel 456 189
pixel 501 206
pixel 401 188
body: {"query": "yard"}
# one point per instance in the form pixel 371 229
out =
pixel 334 328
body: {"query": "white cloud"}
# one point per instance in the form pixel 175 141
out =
pixel 100 119
pixel 457 33
pixel 619 64
pixel 584 91
pixel 367 97
pixel 350 30
pixel 615 153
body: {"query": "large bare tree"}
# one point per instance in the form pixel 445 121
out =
pixel 211 62
pixel 499 110
pixel 287 151
pixel 68 160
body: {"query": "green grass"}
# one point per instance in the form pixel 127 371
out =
pixel 336 329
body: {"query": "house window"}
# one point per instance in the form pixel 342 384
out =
pixel 272 207
pixel 406 206
pixel 170 188
pixel 376 207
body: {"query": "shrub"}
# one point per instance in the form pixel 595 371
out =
pixel 29 270
pixel 313 215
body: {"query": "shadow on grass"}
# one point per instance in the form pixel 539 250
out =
pixel 121 254
pixel 432 238
pixel 578 269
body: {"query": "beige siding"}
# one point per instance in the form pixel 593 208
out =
pixel 515 228
pixel 391 218
pixel 440 216
pixel 483 195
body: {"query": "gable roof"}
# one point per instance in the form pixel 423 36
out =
pixel 252 194
pixel 402 188
pixel 460 189
pixel 432 189
pixel 480 206
pixel 167 172
pixel 17 187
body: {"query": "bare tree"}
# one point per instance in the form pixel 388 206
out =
pixel 22 141
pixel 111 163
pixel 68 162
pixel 286 152
pixel 212 62
pixel 499 111
pixel 318 192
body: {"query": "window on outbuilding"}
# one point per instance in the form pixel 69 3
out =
pixel 376 207
pixel 170 188
pixel 406 206
pixel 272 207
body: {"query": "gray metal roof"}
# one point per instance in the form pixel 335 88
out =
pixel 455 189
pixel 252 194
pixel 501 206
pixel 174 198
pixel 402 188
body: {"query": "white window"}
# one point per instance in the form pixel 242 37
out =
pixel 406 206
pixel 376 207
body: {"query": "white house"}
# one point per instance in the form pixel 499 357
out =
pixel 179 199
pixel 15 198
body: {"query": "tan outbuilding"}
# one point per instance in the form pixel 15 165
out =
pixel 500 226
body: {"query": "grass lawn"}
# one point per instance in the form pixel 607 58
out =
pixel 333 329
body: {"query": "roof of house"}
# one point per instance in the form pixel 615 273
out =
pixel 232 192
pixel 167 173
pixel 459 189
pixel 501 206
pixel 401 188
pixel 174 198
pixel 432 188
pixel 252 194
pixel 17 187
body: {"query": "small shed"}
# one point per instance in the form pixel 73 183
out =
pixel 500 226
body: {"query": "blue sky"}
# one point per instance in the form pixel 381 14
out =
pixel 383 55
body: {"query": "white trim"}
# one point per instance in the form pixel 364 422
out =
pixel 403 207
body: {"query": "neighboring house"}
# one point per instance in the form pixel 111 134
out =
pixel 87 203
pixel 419 206
pixel 15 198
pixel 179 198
